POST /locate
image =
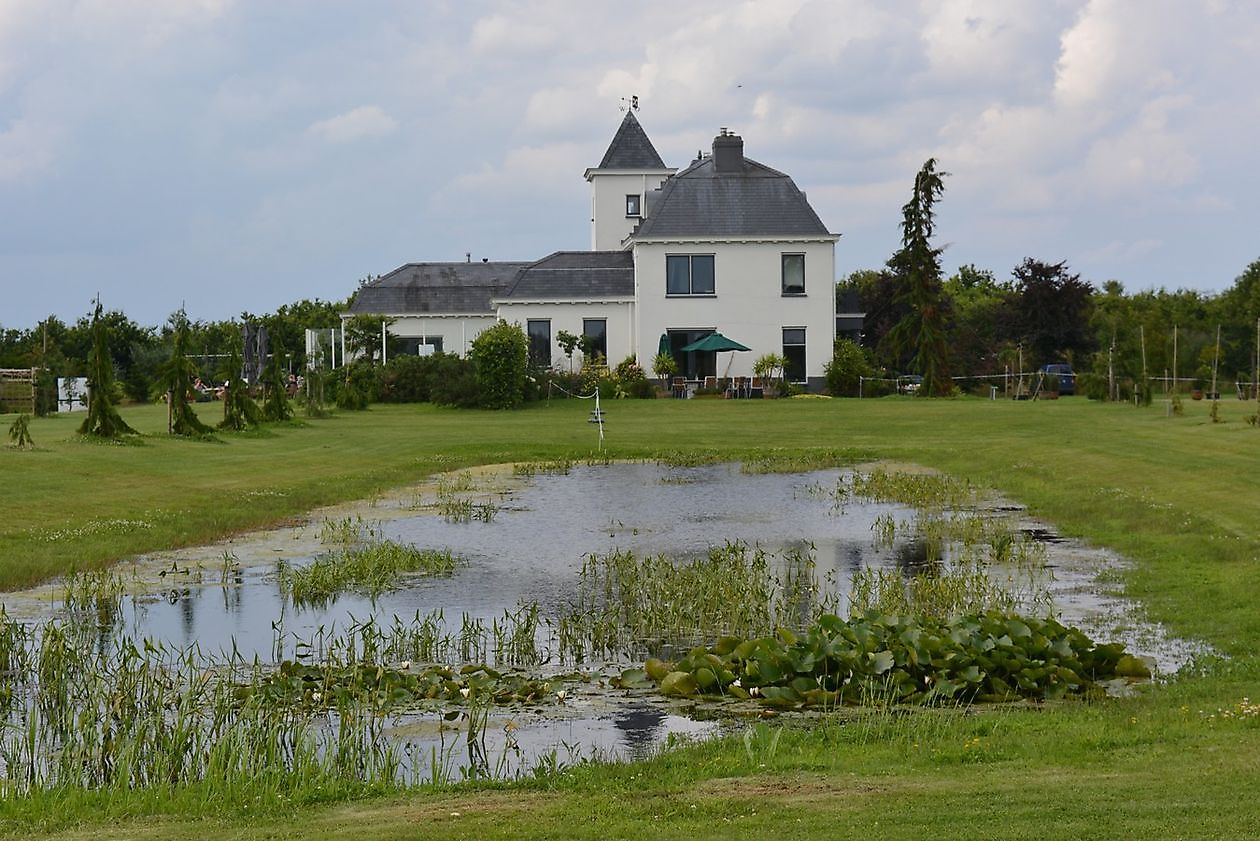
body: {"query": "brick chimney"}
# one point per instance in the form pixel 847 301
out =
pixel 728 152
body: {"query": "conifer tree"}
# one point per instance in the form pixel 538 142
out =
pixel 102 418
pixel 922 332
pixel 239 409
pixel 177 375
pixel 276 405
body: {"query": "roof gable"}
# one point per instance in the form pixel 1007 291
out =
pixel 630 148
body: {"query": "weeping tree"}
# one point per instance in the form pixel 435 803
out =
pixel 276 405
pixel 102 418
pixel 921 334
pixel 176 376
pixel 239 409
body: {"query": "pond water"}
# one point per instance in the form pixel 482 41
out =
pixel 531 551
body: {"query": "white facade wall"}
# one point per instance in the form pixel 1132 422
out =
pixel 748 304
pixel 457 331
pixel 569 315
pixel 609 224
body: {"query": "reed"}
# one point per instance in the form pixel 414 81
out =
pixel 628 604
pixel 372 569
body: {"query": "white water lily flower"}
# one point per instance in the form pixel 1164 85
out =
pixel 736 683
pixel 561 694
pixel 465 691
pixel 405 665
pixel 754 691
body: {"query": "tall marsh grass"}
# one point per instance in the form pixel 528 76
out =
pixel 372 569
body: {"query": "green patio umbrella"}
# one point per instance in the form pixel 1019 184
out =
pixel 716 343
pixel 663 345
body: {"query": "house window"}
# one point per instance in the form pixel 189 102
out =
pixel 689 274
pixel 539 332
pixel 794 353
pixel 424 346
pixel 634 205
pixel 793 274
pixel 596 330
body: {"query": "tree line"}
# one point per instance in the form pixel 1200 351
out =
pixel 955 330
pixel 138 353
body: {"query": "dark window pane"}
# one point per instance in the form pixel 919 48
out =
pixel 793 273
pixel 794 353
pixel 702 275
pixel 539 342
pixel 795 369
pixel 597 330
pixel 677 275
pixel 632 205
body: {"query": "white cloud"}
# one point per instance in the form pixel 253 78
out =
pixel 355 124
pixel 26 149
pixel 1122 251
pixel 502 35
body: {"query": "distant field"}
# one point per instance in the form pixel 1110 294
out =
pixel 1180 496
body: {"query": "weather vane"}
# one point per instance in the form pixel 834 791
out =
pixel 634 103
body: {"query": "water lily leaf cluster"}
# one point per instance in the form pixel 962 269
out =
pixel 884 658
pixel 385 688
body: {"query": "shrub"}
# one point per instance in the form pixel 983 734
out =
pixel 847 366
pixel 357 385
pixel 452 381
pixel 406 379
pixel 631 381
pixel 500 357
pixel 1093 386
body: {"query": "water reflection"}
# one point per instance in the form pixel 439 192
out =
pixel 534 547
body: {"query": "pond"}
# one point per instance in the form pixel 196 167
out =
pixel 521 540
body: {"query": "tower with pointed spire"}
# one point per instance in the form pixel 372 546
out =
pixel 629 171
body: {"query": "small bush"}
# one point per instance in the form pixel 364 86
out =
pixel 406 379
pixel 1093 386
pixel 357 385
pixel 847 366
pixel 500 357
pixel 452 381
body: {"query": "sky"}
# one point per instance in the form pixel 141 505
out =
pixel 232 156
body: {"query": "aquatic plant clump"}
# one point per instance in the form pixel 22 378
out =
pixel 372 569
pixel 987 657
pixel 387 688
pixel 629 602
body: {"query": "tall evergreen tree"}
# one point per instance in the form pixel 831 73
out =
pixel 922 331
pixel 102 418
pixel 239 409
pixel 177 375
pixel 276 405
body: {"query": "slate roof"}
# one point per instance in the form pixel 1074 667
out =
pixel 755 201
pixel 456 288
pixel 630 148
pixel 579 275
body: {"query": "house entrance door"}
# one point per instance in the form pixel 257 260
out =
pixel 695 364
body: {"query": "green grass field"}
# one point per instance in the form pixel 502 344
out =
pixel 1180 496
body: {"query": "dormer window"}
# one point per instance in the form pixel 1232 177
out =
pixel 634 206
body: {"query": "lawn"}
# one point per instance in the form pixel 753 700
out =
pixel 1180 496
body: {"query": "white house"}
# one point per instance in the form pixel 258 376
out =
pixel 725 244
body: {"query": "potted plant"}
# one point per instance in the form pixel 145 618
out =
pixel 770 369
pixel 664 366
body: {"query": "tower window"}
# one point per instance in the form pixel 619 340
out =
pixel 634 205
